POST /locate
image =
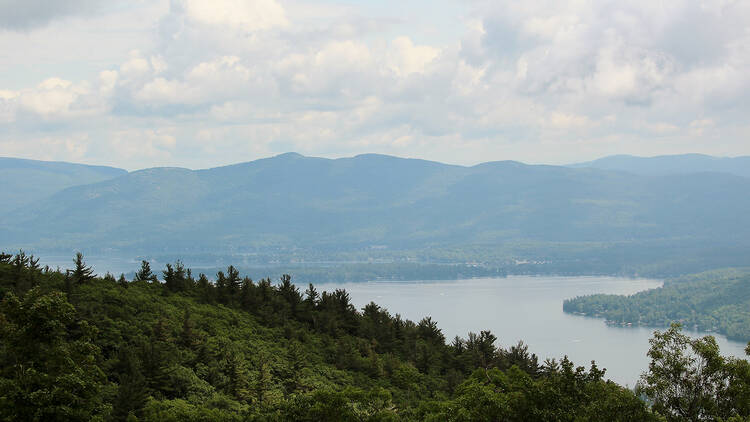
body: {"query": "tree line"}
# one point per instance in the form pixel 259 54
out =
pixel 76 346
pixel 710 301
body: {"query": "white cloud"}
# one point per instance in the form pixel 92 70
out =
pixel 345 68
pixel 7 106
pixel 8 95
pixel 247 15
pixel 538 81
pixel 561 120
pixel 405 58
pixel 107 81
pixel 208 82
pixel 136 67
pixel 72 146
pixel 56 98
pixel 662 128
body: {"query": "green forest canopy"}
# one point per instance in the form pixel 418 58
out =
pixel 716 300
pixel 74 346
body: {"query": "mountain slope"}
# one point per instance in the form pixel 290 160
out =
pixel 671 164
pixel 296 202
pixel 26 181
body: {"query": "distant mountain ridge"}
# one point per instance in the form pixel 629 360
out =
pixel 291 202
pixel 25 181
pixel 671 164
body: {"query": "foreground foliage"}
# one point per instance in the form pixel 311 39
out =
pixel 78 347
pixel 689 380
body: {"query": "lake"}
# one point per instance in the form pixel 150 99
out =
pixel 526 308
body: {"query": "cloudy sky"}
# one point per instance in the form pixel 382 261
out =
pixel 201 83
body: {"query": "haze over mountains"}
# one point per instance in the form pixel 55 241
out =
pixel 26 181
pixel 292 202
pixel 672 164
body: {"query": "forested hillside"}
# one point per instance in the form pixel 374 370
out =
pixel 568 220
pixel 79 347
pixel 27 181
pixel 711 301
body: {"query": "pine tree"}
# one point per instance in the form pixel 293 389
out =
pixel 145 274
pixel 236 385
pixel 122 281
pixel 290 293
pixel 187 337
pixel 132 392
pixel 68 284
pixel 34 271
pixel 189 280
pixel 206 290
pixel 221 288
pixel 262 378
pixel 155 369
pixel 311 296
pixel 20 262
pixel 233 282
pixel 297 362
pixel 175 278
pixel 81 274
pixel 170 280
pixel 246 294
pixel 156 357
pixel 26 270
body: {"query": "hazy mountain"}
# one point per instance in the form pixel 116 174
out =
pixel 671 164
pixel 26 181
pixel 291 201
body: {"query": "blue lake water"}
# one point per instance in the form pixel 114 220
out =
pixel 529 309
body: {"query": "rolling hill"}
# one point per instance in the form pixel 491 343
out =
pixel 26 181
pixel 672 164
pixel 292 202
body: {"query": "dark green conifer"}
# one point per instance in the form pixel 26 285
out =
pixel 145 274
pixel 246 294
pixel 222 291
pixel 206 290
pixel 187 337
pixel 311 296
pixel 132 391
pixel 20 262
pixel 33 271
pixel 262 379
pixel 81 273
pixel 237 381
pixel 233 282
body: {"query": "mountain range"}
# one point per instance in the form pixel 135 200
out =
pixel 26 181
pixel 672 164
pixel 295 203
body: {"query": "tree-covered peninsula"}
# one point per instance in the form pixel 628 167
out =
pixel 710 301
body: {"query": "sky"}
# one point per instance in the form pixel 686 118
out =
pixel 203 83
